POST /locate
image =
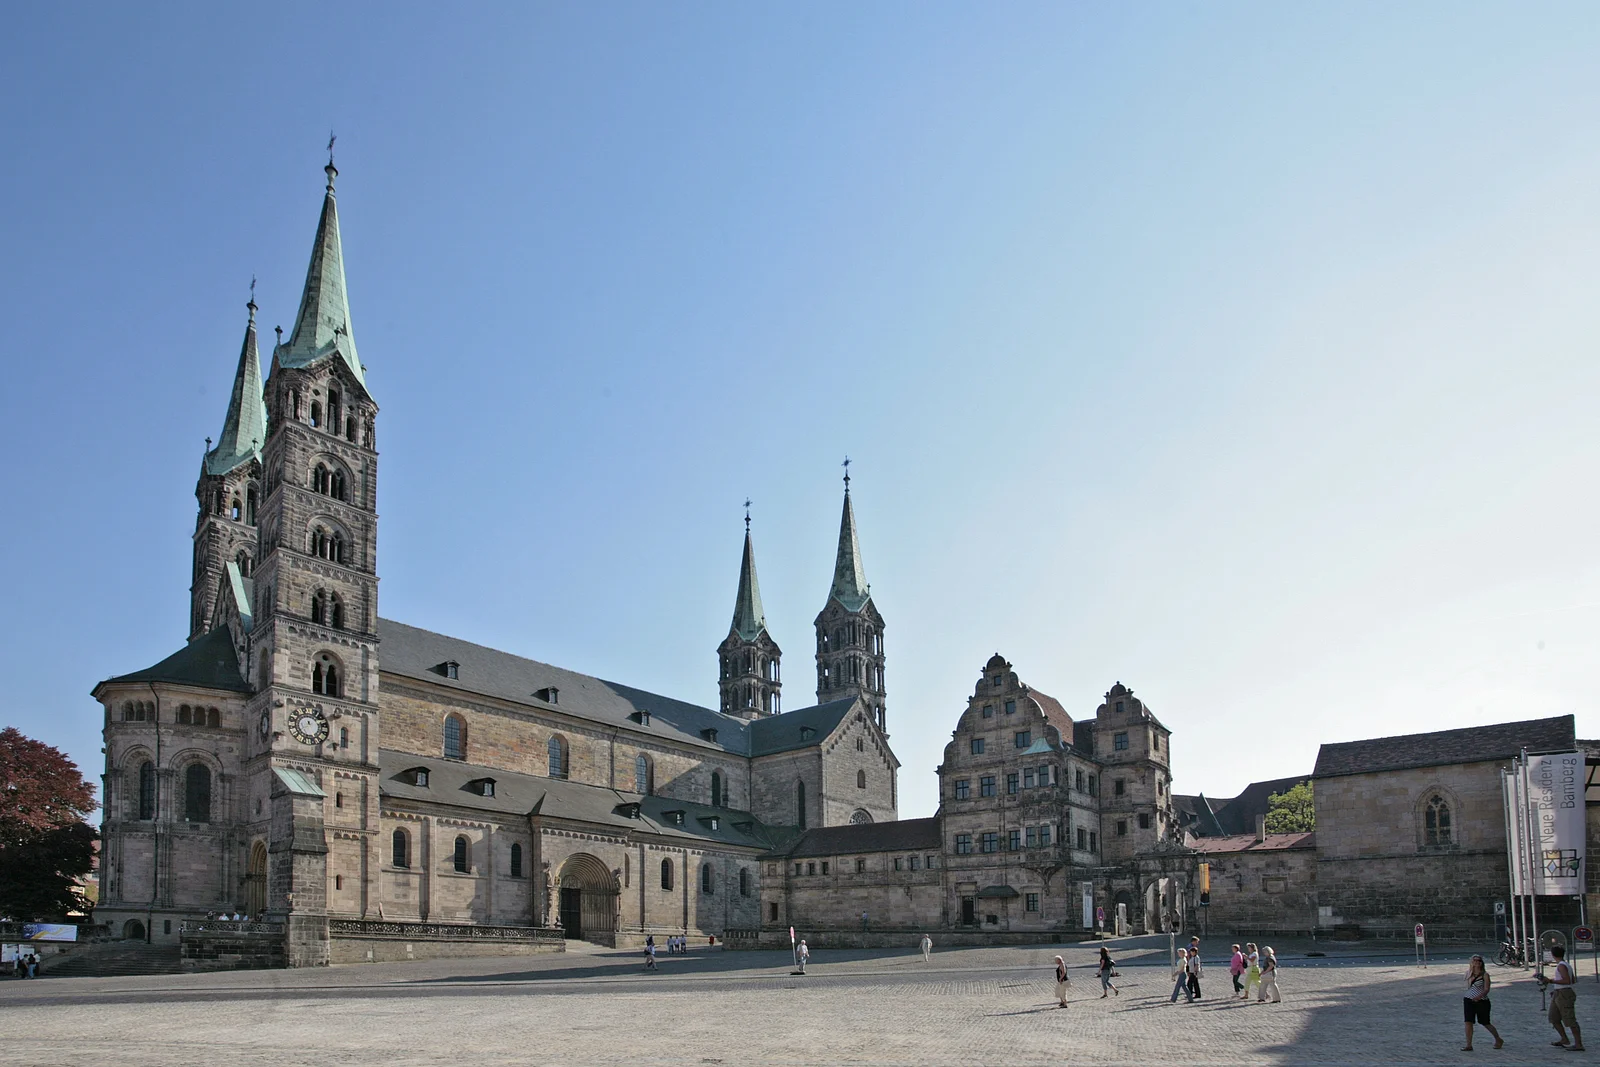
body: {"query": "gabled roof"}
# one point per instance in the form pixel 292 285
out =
pixel 781 733
pixel 207 662
pixel 1238 816
pixel 244 428
pixel 901 835
pixel 749 619
pixel 1472 744
pixel 322 328
pixel 1054 714
pixel 849 576
pixel 450 781
pixel 412 652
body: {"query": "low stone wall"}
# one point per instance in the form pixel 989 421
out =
pixel 362 941
pixel 213 945
pixel 841 939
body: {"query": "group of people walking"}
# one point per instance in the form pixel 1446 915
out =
pixel 1249 968
pixel 26 966
pixel 677 945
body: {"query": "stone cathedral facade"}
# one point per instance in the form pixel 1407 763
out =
pixel 309 763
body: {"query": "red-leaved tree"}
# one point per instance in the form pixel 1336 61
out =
pixel 46 845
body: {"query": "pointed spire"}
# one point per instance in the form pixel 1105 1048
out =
pixel 849 577
pixel 245 427
pixel 748 617
pixel 323 324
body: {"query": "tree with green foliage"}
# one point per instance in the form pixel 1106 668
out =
pixel 1291 812
pixel 46 847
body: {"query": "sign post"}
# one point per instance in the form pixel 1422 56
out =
pixel 1100 921
pixel 1422 945
pixel 793 951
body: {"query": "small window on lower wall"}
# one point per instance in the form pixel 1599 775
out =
pixel 824 866
pixel 1033 901
pixel 338 881
pixel 516 861
pixel 861 866
pixel 772 912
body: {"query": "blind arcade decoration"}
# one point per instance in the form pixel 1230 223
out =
pixel 1544 801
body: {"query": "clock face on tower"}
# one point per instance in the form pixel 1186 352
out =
pixel 266 725
pixel 308 726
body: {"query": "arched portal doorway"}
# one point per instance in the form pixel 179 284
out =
pixel 255 881
pixel 588 900
pixel 1161 912
pixel 133 930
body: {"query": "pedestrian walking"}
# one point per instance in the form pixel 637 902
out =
pixel 1063 983
pixel 1236 968
pixel 1252 969
pixel 927 949
pixel 1564 1002
pixel 1181 973
pixel 1475 1005
pixel 650 954
pixel 1107 971
pixel 804 954
pixel 1194 968
pixel 1269 977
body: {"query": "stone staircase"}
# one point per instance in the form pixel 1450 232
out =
pixel 115 959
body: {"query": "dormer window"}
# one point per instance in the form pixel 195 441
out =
pixel 674 817
pixel 807 733
pixel 715 822
pixel 484 787
pixel 709 734
pixel 549 694
pixel 642 717
pixel 417 776
pixel 631 811
pixel 450 669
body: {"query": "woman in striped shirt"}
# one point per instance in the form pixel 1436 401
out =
pixel 1475 1006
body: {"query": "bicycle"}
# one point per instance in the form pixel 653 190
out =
pixel 1513 955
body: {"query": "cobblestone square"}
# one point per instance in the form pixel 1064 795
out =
pixel 971 1006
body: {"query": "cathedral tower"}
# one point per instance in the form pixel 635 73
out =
pixel 849 628
pixel 314 646
pixel 229 489
pixel 748 657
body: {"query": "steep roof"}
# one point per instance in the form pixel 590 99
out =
pixel 1054 714
pixel 901 835
pixel 244 428
pixel 1471 744
pixel 749 619
pixel 849 576
pixel 1238 816
pixel 410 651
pixel 207 662
pixel 450 782
pixel 322 327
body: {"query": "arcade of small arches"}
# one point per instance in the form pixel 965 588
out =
pixel 335 417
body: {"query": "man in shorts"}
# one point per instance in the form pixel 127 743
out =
pixel 1563 1002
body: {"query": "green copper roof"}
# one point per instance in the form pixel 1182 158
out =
pixel 323 325
pixel 849 577
pixel 244 430
pixel 208 662
pixel 748 617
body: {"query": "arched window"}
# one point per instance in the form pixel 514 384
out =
pixel 197 793
pixel 213 717
pixel 455 737
pixel 716 789
pixel 744 881
pixel 641 774
pixel 463 857
pixel 147 790
pixel 250 505
pixel 401 846
pixel 319 607
pixel 860 817
pixel 325 676
pixel 184 714
pixel 861 779
pixel 235 510
pixel 666 875
pixel 556 752
pixel 350 428
pixel 243 560
pixel 1436 822
pixel 336 613
pixel 705 878
pixel 294 403
pixel 333 410
pixel 316 413
pixel 800 804
pixel 516 861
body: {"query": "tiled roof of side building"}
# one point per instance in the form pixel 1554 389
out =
pixel 1472 744
pixel 902 835
pixel 208 662
pixel 1054 714
pixel 416 653
pixel 451 782
pixel 1248 843
pixel 1238 816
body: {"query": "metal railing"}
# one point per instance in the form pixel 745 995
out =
pixel 420 931
pixel 227 926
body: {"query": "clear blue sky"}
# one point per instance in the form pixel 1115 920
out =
pixel 1245 354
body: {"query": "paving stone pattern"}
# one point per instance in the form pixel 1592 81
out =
pixel 969 1006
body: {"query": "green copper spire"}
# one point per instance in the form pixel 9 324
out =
pixel 748 617
pixel 849 577
pixel 323 325
pixel 245 428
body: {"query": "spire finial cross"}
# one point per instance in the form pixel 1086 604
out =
pixel 746 514
pixel 331 138
pixel 252 304
pixel 846 466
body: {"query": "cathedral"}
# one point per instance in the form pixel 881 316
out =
pixel 317 767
